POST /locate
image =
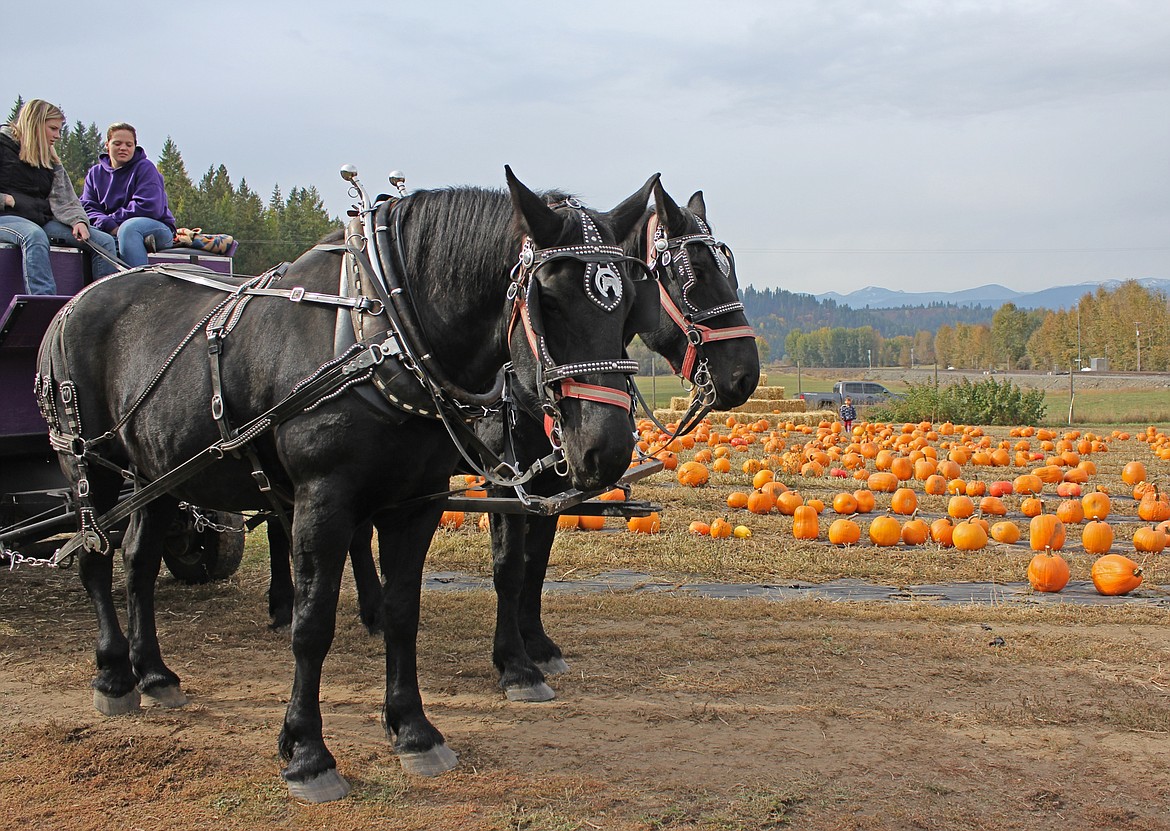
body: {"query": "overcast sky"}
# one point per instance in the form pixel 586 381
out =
pixel 840 144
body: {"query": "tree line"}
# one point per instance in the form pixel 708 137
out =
pixel 268 231
pixel 1129 326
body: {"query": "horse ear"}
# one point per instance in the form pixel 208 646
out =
pixel 669 212
pixel 626 216
pixel 531 213
pixel 697 206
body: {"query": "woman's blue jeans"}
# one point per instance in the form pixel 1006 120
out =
pixel 132 236
pixel 34 243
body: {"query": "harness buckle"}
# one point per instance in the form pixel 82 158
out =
pixel 297 294
pixel 262 481
pixel 694 336
pixel 217 407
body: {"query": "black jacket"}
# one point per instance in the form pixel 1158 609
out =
pixel 28 186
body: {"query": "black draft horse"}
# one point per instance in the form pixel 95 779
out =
pixel 124 386
pixel 705 337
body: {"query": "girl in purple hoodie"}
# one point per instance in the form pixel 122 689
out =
pixel 124 195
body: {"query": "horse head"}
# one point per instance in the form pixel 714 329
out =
pixel 573 290
pixel 704 334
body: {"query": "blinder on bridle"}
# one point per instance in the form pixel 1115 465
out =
pixel 603 285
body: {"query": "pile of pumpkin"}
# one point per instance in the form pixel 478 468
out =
pixel 909 452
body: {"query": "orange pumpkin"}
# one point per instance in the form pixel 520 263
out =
pixel 720 529
pixel 865 501
pixel 845 503
pixel 960 507
pixel 1046 531
pixel 762 477
pixel 885 531
pixel 1133 473
pixel 1096 505
pixel 1032 506
pixel 1097 538
pixel 567 522
pixel 760 502
pixel 1048 572
pixel 935 485
pixel 649 524
pixel 804 523
pixel 904 501
pixel 1149 540
pixel 1114 574
pixel 942 531
pixel 915 531
pixel 969 536
pixel 1070 512
pixel 788 502
pixel 693 474
pixel 992 506
pixel 882 482
pixel 702 529
pixel 591 523
pixel 844 532
pixel 1154 506
pixel 737 500
pixel 1005 532
pixel 451 520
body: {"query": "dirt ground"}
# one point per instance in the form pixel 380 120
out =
pixel 678 713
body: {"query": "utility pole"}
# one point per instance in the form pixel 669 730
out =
pixel 1139 349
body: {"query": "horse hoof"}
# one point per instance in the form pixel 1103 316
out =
pixel 120 705
pixel 553 666
pixel 536 692
pixel 168 696
pixel 327 786
pixel 439 759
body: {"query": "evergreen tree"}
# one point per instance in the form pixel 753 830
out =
pixel 15 111
pixel 79 148
pixel 180 190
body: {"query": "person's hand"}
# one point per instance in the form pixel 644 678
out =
pixel 81 232
pixel 9 202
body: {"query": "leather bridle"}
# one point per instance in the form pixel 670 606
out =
pixel 666 253
pixel 556 382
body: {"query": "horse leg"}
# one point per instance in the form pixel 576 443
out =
pixel 321 533
pixel 537 547
pixel 280 582
pixel 403 541
pixel 365 578
pixel 142 559
pixel 520 678
pixel 115 687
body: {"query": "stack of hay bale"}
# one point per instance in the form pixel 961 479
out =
pixel 766 402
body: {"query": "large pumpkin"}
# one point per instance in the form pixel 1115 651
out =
pixel 885 531
pixel 865 500
pixel 845 503
pixel 1048 572
pixel 1114 574
pixel 844 532
pixel 760 502
pixel 969 536
pixel 1149 540
pixel 1005 532
pixel 904 501
pixel 1096 505
pixel 804 523
pixel 1097 538
pixel 648 524
pixel 1133 473
pixel 1070 512
pixel 693 474
pixel 960 507
pixel 882 482
pixel 942 531
pixel 1046 531
pixel 915 531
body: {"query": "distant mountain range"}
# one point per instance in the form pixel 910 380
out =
pixel 992 295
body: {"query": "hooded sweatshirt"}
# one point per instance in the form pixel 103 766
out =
pixel 113 195
pixel 40 193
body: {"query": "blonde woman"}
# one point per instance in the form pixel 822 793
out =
pixel 37 202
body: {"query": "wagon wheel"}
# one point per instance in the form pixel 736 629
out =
pixel 202 556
